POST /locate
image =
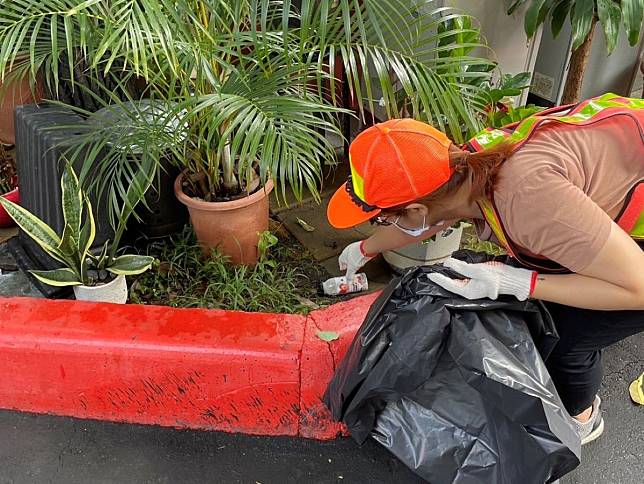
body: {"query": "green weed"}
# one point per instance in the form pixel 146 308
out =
pixel 183 277
pixel 472 242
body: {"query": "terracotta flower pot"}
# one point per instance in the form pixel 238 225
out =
pixel 231 227
pixel 12 95
pixel 12 196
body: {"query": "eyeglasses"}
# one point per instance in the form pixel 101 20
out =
pixel 382 220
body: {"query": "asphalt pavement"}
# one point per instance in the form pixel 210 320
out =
pixel 47 449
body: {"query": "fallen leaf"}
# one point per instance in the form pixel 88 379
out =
pixel 328 335
pixel 305 225
pixel 636 389
pixel 164 267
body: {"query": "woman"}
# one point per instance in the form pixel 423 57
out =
pixel 564 194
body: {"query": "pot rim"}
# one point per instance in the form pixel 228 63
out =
pixel 221 206
pixel 101 286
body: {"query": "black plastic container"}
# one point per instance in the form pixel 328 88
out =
pixel 43 134
pixel 164 215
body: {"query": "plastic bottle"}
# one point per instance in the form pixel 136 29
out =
pixel 339 285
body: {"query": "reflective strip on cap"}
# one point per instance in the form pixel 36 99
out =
pixel 357 181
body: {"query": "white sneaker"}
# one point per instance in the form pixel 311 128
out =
pixel 593 427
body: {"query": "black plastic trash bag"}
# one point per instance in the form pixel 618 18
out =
pixel 456 389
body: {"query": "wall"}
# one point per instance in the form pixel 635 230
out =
pixel 504 33
pixel 610 73
pixel 604 73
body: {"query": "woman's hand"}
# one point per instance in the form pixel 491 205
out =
pixel 353 257
pixel 613 281
pixel 487 280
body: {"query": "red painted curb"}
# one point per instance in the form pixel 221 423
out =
pixel 319 360
pixel 232 371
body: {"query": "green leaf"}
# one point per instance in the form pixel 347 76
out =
pixel 58 277
pixel 69 248
pixel 532 17
pixel 266 241
pixel 559 16
pixel 544 11
pixel 583 18
pixel 517 81
pixel 610 16
pixel 496 95
pixel 87 236
pixel 129 265
pixel 328 335
pixel 269 263
pixel 514 5
pixel 633 11
pixel 72 207
pixel 72 200
pixel 53 26
pixel 35 228
pixel 100 261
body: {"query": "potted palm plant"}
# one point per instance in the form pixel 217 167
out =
pixel 95 277
pixel 249 79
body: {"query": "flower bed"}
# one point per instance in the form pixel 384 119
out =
pixel 286 280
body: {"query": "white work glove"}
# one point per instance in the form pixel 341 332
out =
pixel 353 258
pixel 487 280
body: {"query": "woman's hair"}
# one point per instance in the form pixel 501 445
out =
pixel 482 167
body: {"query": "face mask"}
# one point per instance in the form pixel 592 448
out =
pixel 413 232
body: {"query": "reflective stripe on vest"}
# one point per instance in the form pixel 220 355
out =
pixel 631 219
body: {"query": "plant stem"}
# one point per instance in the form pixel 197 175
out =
pixel 116 242
pixel 578 63
pixel 228 165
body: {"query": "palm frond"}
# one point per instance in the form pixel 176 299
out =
pixel 251 83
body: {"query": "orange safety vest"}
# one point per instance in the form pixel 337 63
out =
pixel 631 219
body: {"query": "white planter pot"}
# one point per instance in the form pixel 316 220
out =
pixel 425 253
pixel 113 292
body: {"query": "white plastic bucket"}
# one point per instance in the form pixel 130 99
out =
pixel 426 253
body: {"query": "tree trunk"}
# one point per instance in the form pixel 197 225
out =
pixel 578 63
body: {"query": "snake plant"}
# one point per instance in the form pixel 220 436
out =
pixel 72 248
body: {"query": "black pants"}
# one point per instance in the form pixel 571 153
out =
pixel 575 364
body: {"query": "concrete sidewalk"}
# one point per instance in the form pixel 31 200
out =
pixel 44 449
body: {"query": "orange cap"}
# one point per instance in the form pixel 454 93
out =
pixel 392 163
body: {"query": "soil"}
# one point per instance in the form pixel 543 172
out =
pixel 196 187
